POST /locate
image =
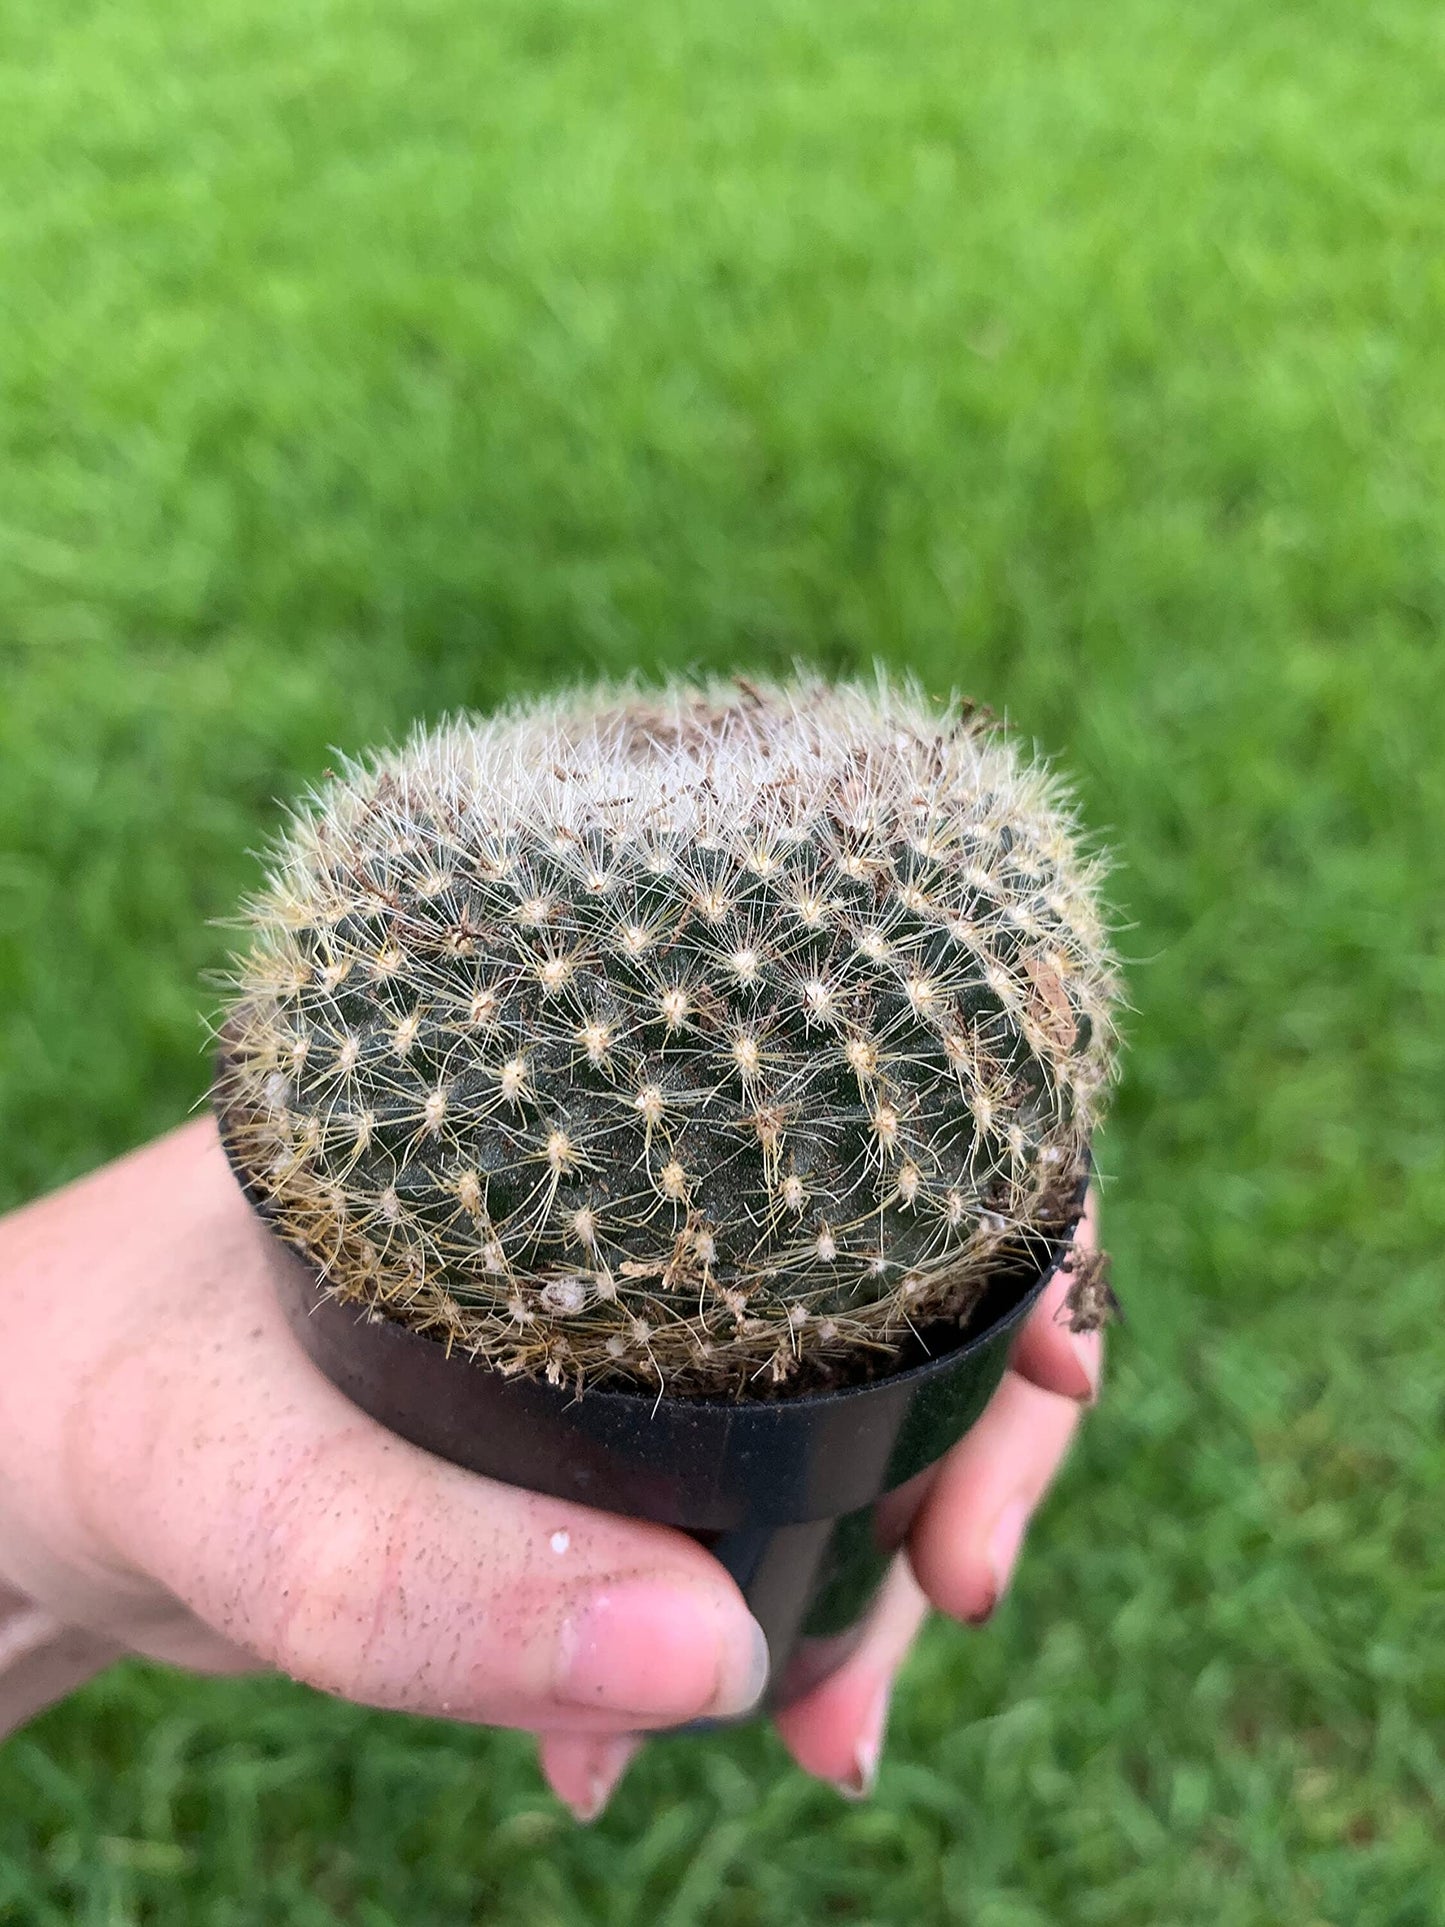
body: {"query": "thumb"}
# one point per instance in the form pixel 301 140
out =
pixel 218 1461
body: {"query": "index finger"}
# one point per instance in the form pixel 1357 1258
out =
pixel 1047 1353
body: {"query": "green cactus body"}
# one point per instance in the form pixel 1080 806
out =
pixel 708 1040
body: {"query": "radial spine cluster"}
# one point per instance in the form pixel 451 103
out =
pixel 702 1039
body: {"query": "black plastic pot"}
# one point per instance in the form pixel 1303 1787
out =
pixel 802 1500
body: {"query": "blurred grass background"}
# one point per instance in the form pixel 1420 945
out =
pixel 360 360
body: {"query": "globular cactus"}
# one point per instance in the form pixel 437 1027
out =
pixel 715 1040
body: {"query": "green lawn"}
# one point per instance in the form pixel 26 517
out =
pixel 362 360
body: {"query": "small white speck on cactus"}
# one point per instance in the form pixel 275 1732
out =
pixel 712 1039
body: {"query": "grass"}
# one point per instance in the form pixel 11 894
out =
pixel 358 361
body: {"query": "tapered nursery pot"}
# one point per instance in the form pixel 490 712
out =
pixel 802 1500
pixel 713 1068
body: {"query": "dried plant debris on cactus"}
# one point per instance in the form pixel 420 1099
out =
pixel 1090 1300
pixel 712 1039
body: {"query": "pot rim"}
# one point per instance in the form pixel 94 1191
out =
pixel 626 1401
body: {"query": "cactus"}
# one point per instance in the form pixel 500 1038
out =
pixel 715 1039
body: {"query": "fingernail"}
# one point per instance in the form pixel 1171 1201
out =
pixel 661 1653
pixel 1004 1542
pixel 605 1763
pixel 1089 1351
pixel 869 1750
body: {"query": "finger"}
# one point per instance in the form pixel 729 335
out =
pixel 42 1660
pixel 584 1770
pixel 967 1536
pixel 223 1465
pixel 168 1631
pixel 836 1732
pixel 1047 1352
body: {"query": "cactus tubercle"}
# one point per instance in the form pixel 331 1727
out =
pixel 713 1040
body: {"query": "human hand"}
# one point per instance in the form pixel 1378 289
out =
pixel 958 1557
pixel 177 1480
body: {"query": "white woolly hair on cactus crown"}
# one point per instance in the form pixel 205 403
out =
pixel 713 1038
